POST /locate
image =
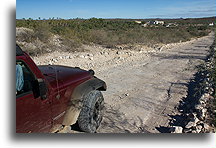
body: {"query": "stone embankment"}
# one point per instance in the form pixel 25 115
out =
pixel 197 111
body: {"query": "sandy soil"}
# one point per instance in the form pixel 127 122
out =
pixel 144 84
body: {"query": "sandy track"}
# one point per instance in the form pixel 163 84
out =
pixel 144 85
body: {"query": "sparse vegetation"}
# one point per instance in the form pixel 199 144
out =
pixel 108 33
pixel 212 78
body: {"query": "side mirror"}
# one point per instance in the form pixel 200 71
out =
pixel 42 89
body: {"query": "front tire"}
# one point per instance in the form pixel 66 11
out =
pixel 92 112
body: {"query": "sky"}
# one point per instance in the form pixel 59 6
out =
pixel 135 9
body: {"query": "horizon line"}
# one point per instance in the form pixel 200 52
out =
pixel 58 18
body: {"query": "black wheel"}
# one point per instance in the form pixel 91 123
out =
pixel 92 112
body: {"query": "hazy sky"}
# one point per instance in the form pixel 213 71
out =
pixel 114 8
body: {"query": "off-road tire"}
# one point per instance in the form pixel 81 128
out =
pixel 92 112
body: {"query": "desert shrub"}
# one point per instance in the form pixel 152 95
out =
pixel 70 45
pixel 35 48
pixel 202 27
pixel 58 30
pixel 25 36
pixel 42 32
pixel 109 33
pixel 98 36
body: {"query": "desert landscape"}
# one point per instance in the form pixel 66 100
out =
pixel 152 83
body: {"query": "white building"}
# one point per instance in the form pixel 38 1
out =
pixel 138 22
pixel 159 22
pixel 211 24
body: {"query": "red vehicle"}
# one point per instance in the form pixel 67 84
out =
pixel 50 97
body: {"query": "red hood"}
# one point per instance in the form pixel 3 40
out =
pixel 65 75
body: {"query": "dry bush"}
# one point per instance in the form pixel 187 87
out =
pixel 70 45
pixel 25 35
pixel 42 32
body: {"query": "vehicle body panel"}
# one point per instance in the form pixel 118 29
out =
pixel 32 114
pixel 63 80
pixel 36 114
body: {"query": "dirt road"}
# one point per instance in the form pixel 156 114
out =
pixel 144 85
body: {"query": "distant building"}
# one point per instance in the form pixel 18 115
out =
pixel 138 22
pixel 153 23
pixel 171 25
pixel 159 22
pixel 211 24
